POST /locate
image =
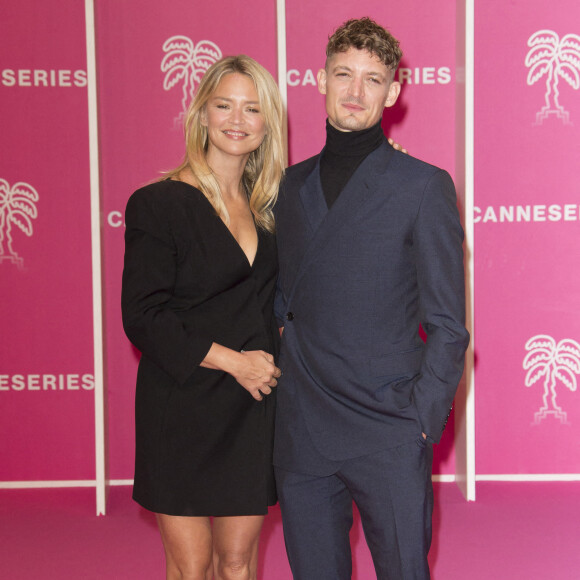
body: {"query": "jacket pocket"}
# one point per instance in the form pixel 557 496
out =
pixel 394 376
pixel 397 364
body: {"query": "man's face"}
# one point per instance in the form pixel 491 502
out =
pixel 358 86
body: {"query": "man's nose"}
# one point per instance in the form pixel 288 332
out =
pixel 356 87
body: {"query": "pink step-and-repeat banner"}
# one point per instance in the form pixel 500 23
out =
pixel 150 58
pixel 527 243
pixel 146 79
pixel 46 344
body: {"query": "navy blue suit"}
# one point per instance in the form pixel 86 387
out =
pixel 355 283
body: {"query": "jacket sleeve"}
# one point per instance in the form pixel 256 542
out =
pixel 437 242
pixel 149 276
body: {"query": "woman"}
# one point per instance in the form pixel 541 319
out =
pixel 198 286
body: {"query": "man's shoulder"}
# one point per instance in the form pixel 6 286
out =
pixel 295 176
pixel 408 164
pixel 302 168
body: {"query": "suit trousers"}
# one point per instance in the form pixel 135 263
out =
pixel 393 492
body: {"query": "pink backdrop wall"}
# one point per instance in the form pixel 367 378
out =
pixel 526 274
pixel 46 349
pixel 527 281
pixel 140 135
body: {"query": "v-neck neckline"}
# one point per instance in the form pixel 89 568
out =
pixel 221 221
pixel 250 264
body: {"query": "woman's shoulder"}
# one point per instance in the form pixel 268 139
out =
pixel 167 194
pixel 168 188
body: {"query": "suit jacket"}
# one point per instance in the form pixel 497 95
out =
pixel 355 283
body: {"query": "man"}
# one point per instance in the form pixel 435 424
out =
pixel 370 247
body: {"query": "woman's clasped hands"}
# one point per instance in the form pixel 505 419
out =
pixel 257 373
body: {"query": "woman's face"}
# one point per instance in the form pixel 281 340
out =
pixel 233 118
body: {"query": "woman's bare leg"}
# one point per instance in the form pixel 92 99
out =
pixel 188 547
pixel 235 547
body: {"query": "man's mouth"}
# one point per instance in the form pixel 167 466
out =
pixel 353 107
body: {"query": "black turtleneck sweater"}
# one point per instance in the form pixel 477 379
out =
pixel 343 153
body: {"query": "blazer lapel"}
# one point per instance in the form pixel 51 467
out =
pixel 312 198
pixel 368 180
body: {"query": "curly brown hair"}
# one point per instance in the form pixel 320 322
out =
pixel 365 34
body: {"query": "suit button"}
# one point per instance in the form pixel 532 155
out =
pixel 289 316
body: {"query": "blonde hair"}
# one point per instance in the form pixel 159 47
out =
pixel 265 166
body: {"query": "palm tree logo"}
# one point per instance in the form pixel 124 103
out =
pixel 557 59
pixel 17 208
pixel 552 362
pixel 186 62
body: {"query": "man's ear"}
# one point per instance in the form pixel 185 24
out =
pixel 394 91
pixel 321 78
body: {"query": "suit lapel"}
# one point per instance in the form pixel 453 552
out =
pixel 312 198
pixel 369 179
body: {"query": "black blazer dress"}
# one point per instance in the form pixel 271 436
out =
pixel 203 443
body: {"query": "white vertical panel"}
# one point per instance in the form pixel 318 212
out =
pixel 282 65
pixel 470 233
pixel 465 400
pixel 100 447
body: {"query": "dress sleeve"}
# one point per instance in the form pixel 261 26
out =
pixel 149 275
